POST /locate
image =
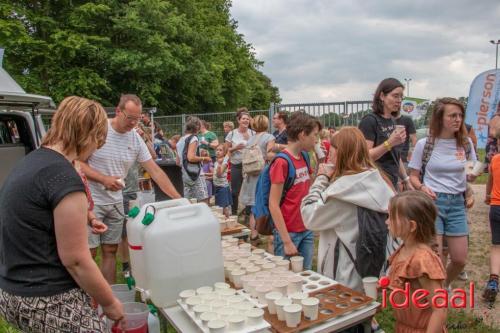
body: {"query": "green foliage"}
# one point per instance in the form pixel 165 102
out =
pixel 182 56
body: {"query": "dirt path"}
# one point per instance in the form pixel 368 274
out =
pixel 478 262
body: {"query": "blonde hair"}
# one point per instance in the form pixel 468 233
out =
pixel 324 134
pixel 352 153
pixel 260 123
pixel 78 123
pixel 230 124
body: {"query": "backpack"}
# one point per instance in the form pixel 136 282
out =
pixel 263 221
pixel 427 153
pixel 192 169
pixel 253 161
pixel 371 244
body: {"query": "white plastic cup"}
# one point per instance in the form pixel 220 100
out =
pixel 255 316
pixel 283 263
pixel 208 316
pixel 293 313
pixel 237 275
pixel 185 294
pixel 281 286
pixel 236 322
pixel 298 297
pixel 310 306
pixel 224 293
pixel 400 128
pixel 370 285
pixel 221 285
pixel 218 304
pixel 199 309
pixel 270 299
pixel 244 307
pixel 225 312
pixel 269 266
pixel 280 304
pixel 216 326
pixel 297 264
pixel 294 284
pixel 193 301
pixel 478 168
pixel 259 252
pixel 262 291
pixel 204 290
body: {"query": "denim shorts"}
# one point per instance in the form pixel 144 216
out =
pixel 303 241
pixel 452 217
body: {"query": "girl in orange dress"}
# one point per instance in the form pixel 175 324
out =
pixel 411 218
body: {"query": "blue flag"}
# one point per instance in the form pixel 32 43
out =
pixel 483 102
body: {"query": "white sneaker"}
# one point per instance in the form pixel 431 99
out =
pixel 463 276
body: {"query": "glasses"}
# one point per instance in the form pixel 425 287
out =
pixel 130 118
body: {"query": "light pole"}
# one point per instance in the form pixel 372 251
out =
pixel 496 57
pixel 408 87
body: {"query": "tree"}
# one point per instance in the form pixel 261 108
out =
pixel 182 56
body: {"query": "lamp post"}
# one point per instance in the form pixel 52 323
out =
pixel 408 87
pixel 496 57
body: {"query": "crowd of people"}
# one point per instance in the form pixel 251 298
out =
pixel 379 207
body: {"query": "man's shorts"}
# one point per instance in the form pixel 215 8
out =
pixel 113 216
pixel 495 224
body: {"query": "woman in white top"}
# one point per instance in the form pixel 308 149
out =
pixel 438 169
pixel 265 141
pixel 236 140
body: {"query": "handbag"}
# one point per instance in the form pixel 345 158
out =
pixel 253 160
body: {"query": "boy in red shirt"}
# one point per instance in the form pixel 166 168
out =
pixel 290 235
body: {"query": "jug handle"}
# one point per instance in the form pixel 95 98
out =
pixel 168 204
pixel 177 215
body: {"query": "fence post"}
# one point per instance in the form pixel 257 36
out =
pixel 271 115
pixel 183 123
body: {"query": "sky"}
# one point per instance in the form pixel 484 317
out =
pixel 338 50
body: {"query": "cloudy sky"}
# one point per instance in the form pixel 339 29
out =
pixel 337 50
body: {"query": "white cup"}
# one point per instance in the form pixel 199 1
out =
pixel 252 269
pixel 259 252
pixel 224 293
pixel 280 304
pixel 204 290
pixel 298 297
pixel 477 169
pixel 276 258
pixel 268 266
pixel 218 304
pixel 261 291
pixel 192 301
pixel 237 275
pixel 297 264
pixel 283 263
pixel 199 309
pixel 244 307
pixel 222 225
pixel 221 285
pixel 225 312
pixel 246 247
pixel 236 322
pixel 252 286
pixel 216 326
pixel 235 299
pixel 208 298
pixel 294 284
pixel 270 299
pixel 310 306
pixel 208 316
pixel 400 128
pixel 370 285
pixel 281 286
pixel 293 313
pixel 185 294
pixel 255 316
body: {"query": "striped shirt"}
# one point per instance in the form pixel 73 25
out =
pixel 115 158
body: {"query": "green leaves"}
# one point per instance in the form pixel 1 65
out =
pixel 179 55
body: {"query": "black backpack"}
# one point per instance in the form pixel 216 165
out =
pixel 192 169
pixel 371 243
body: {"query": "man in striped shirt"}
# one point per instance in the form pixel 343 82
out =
pixel 107 168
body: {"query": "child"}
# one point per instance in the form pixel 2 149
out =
pixel 221 185
pixel 291 237
pixel 207 168
pixel 412 216
pixel 493 199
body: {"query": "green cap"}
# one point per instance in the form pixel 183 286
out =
pixel 153 309
pixel 130 282
pixel 134 212
pixel 148 219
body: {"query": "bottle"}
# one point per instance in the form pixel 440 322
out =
pixel 153 321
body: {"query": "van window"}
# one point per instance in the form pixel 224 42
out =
pixel 9 133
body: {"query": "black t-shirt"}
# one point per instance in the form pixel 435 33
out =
pixel 29 263
pixel 281 138
pixel 378 129
pixel 407 122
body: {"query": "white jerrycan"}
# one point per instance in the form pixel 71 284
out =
pixel 182 250
pixel 135 229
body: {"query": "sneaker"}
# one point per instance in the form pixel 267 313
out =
pixel 463 276
pixel 491 291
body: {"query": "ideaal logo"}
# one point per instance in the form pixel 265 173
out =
pixel 401 298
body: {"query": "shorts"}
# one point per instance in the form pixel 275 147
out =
pixel 223 196
pixel 194 189
pixel 70 311
pixel 112 215
pixel 495 224
pixel 129 201
pixel 452 217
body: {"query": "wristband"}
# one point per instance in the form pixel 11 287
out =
pixel 387 145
